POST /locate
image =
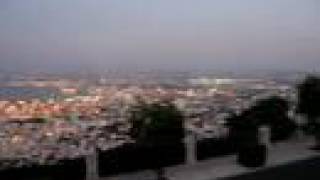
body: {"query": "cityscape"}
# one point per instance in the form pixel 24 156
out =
pixel 159 90
pixel 46 120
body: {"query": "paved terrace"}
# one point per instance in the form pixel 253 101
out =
pixel 221 167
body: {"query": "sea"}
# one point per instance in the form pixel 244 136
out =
pixel 26 93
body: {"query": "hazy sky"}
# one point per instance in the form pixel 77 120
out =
pixel 212 34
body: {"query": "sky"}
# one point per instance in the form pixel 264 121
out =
pixel 63 35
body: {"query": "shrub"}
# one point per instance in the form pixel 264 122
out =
pixel 252 156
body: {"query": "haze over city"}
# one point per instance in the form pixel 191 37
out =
pixel 65 35
pixel 159 89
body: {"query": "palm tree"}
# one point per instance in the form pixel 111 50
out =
pixel 309 103
pixel 156 126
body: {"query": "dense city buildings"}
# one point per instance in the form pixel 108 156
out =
pixel 93 89
pixel 60 123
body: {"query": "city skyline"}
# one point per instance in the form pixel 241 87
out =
pixel 159 89
pixel 236 36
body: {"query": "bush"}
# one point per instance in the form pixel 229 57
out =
pixel 252 156
pixel 133 157
pixel 213 147
pixel 64 170
pixel 282 130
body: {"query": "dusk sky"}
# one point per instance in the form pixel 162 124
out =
pixel 184 34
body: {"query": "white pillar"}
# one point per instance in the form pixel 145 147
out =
pixel 92 165
pixel 300 121
pixel 265 136
pixel 191 148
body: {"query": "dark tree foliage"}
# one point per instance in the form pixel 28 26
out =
pixel 309 105
pixel 271 112
pixel 243 129
pixel 309 98
pixel 155 124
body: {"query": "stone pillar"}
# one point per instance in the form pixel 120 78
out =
pixel 92 165
pixel 265 136
pixel 300 121
pixel 191 148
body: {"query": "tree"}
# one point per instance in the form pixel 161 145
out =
pixel 243 131
pixel 309 103
pixel 272 112
pixel 243 128
pixel 156 125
